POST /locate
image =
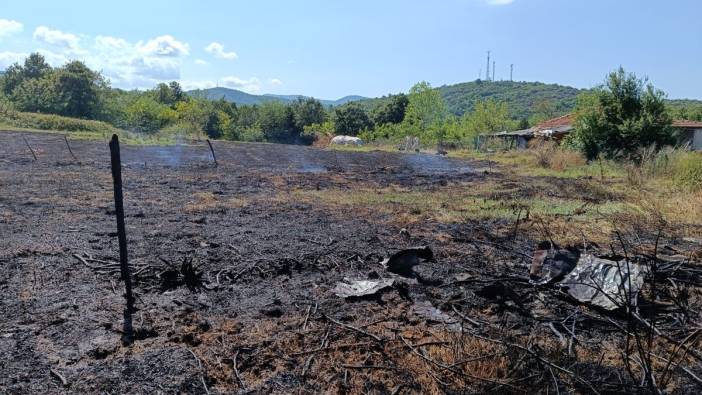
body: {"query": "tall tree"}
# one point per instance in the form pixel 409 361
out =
pixel 307 111
pixel 489 116
pixel 426 107
pixel 392 111
pixel 350 119
pixel 36 95
pixel 78 90
pixel 277 122
pixel 193 113
pixel 177 92
pixel 34 67
pixel 623 115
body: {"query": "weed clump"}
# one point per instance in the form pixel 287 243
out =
pixel 549 155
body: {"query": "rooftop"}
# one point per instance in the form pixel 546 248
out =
pixel 565 120
pixel 684 123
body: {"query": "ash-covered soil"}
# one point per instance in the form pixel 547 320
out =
pixel 263 316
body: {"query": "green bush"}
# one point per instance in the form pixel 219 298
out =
pixel 252 134
pixel 52 122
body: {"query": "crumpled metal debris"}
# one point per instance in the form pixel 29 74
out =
pixel 403 262
pixel 549 265
pixel 604 283
pixel 427 311
pixel 361 288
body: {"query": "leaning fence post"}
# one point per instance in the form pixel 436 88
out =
pixel 69 148
pixel 30 148
pixel 213 153
pixel 128 335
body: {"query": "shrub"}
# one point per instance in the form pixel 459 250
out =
pixel 542 151
pixel 549 155
pixel 252 134
pixel 564 158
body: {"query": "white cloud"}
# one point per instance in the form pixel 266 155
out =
pixel 137 65
pixel 275 82
pixel 9 27
pixel 190 85
pixel 57 38
pixel 500 2
pixel 252 85
pixel 109 42
pixel 7 58
pixel 217 50
pixel 201 62
pixel 166 46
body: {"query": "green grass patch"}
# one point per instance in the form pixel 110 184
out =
pixel 78 129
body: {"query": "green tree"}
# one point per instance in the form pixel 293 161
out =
pixel 194 115
pixel 245 125
pixel 177 92
pixel 307 111
pixel 168 94
pixel 12 78
pixel 277 122
pixel 392 111
pixel 623 115
pixel 350 119
pixel 77 90
pixel 36 95
pixel 6 106
pixel 489 116
pixel 426 107
pixel 146 115
pixel 34 67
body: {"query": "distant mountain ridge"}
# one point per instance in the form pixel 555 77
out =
pixel 243 98
pixel 522 98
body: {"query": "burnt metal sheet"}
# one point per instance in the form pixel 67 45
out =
pixel 605 283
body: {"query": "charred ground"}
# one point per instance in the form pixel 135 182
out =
pixel 269 233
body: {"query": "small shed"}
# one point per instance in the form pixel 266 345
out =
pixel 689 133
pixel 518 139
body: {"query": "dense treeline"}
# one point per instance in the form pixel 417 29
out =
pixel 435 115
pixel 74 90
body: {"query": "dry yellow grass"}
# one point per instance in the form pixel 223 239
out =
pixel 563 159
pixel 207 202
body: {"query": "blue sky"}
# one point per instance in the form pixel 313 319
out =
pixel 329 49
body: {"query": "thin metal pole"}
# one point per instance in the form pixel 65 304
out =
pixel 213 153
pixel 69 148
pixel 128 333
pixel 30 148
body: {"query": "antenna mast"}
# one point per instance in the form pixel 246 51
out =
pixel 487 73
pixel 511 69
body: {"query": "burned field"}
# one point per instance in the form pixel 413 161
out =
pixel 269 273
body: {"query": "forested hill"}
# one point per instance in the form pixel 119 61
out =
pixel 239 97
pixel 522 98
